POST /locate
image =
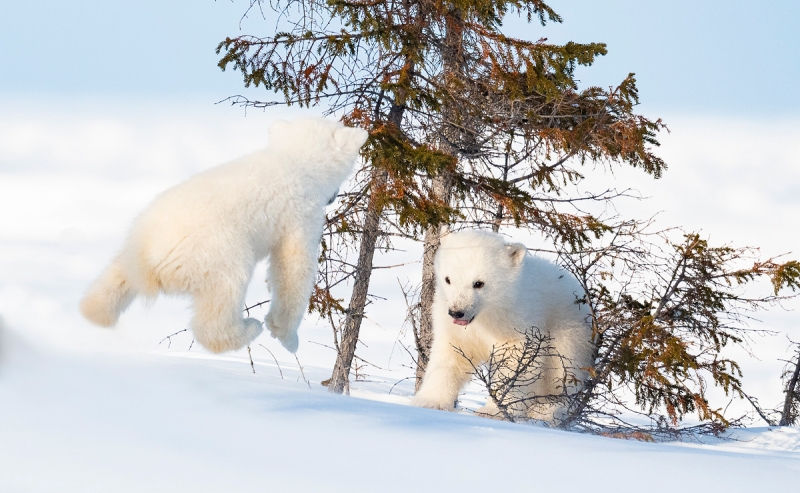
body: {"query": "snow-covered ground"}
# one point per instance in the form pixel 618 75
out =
pixel 190 422
pixel 87 409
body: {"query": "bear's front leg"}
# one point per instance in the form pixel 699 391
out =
pixel 448 371
pixel 292 268
pixel 217 323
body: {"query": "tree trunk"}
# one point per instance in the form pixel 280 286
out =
pixel 787 417
pixel 340 379
pixel 452 57
pixel 424 335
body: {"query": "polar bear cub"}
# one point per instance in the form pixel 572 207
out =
pixel 488 294
pixel 205 236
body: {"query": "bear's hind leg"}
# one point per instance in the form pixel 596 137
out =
pixel 563 375
pixel 108 297
pixel 490 410
pixel 217 323
pixel 518 382
pixel 559 381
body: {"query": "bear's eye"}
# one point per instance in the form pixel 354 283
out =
pixel 477 284
pixel 447 280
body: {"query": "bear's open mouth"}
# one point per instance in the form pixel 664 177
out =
pixel 462 321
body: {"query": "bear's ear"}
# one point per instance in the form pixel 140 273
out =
pixel 277 130
pixel 517 252
pixel 349 138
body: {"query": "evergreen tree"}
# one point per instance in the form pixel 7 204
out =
pixel 441 88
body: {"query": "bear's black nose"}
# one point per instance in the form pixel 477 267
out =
pixel 455 314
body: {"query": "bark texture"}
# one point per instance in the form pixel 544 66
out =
pixel 340 379
pixel 452 57
pixel 787 416
pixel 423 336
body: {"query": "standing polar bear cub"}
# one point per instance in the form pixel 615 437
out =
pixel 205 236
pixel 489 294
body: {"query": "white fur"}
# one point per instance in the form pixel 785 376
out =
pixel 205 236
pixel 520 293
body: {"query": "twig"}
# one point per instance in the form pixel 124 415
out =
pixel 395 265
pixel 397 382
pixel 368 363
pixel 248 308
pixel 169 338
pixel 323 345
pixel 301 372
pixel 409 352
pixel 253 366
pixel 274 358
pixel 754 402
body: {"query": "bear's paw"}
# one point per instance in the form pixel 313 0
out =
pixel 252 329
pixel 287 338
pixel 427 402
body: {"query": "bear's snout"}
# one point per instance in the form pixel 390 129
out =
pixel 459 317
pixel 455 314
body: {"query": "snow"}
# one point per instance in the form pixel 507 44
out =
pixel 155 422
pixel 89 409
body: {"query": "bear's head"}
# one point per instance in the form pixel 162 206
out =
pixel 318 142
pixel 476 271
pixel 321 150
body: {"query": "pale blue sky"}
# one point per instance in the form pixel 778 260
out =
pixel 710 57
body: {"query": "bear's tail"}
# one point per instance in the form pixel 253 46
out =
pixel 108 297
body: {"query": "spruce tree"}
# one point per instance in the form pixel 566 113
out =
pixel 441 88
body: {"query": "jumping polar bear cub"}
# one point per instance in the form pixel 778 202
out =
pixel 487 293
pixel 205 236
